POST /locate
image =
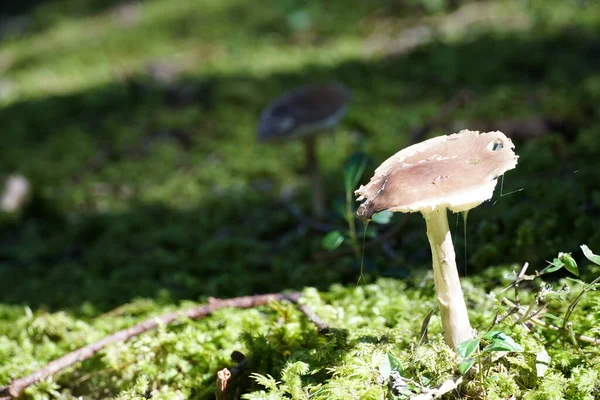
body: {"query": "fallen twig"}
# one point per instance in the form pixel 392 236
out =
pixel 520 278
pixel 321 325
pixel 16 387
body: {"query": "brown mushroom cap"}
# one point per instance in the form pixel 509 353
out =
pixel 457 171
pixel 303 111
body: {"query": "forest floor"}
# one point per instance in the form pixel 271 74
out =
pixel 135 124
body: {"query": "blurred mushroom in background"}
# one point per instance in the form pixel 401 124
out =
pixel 302 114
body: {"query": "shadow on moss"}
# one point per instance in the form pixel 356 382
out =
pixel 192 201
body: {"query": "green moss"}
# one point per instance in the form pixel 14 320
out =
pixel 288 358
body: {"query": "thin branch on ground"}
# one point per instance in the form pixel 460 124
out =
pixel 308 312
pixel 16 387
pixel 543 324
pixel 520 278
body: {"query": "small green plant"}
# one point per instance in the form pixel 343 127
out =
pixel 536 311
pixel 354 168
pixel 470 351
pixel 564 260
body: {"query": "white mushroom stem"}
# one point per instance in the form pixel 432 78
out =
pixel 453 310
pixel 318 192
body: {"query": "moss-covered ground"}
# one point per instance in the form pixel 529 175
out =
pixel 136 126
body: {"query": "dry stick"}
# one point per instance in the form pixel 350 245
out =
pixel 520 278
pixel 16 387
pixel 539 322
pixel 321 325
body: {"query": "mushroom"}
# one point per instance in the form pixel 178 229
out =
pixel 301 114
pixel 456 172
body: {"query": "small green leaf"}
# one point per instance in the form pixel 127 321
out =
pixel 501 342
pixel 395 363
pixel 354 169
pixel 332 240
pixel 385 368
pixel 383 217
pixel 589 255
pixel 389 363
pixel 569 263
pixel 555 265
pixel 466 365
pixel 425 380
pixel 542 362
pixel 468 347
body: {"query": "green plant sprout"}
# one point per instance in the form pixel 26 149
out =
pixel 470 351
pixel 354 168
pixel 531 313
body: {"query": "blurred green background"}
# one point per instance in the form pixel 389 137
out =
pixel 135 123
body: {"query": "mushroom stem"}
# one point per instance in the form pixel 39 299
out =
pixel 455 319
pixel 318 193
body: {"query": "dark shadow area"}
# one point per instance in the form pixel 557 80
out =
pixel 236 242
pixel 154 251
pixel 23 17
pixel 71 8
pixel 14 8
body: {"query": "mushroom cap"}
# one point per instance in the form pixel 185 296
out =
pixel 303 112
pixel 457 171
